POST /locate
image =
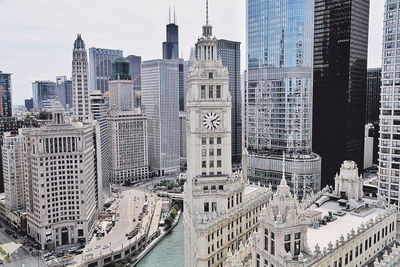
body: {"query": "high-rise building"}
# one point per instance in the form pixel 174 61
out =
pixel 340 82
pixel 100 60
pixel 127 127
pixel 278 100
pixel 135 63
pixel 29 104
pixel 7 124
pixel 220 210
pixel 373 95
pixel 64 91
pixel 99 108
pixel 57 157
pixel 12 171
pixel 42 91
pixel 80 81
pixel 389 141
pixel 160 98
pixel 5 94
pixel 171 46
pixel 229 52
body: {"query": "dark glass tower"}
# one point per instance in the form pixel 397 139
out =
pixel 171 46
pixel 373 95
pixel 120 70
pixel 340 76
pixel 5 95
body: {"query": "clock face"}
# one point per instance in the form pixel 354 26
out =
pixel 211 121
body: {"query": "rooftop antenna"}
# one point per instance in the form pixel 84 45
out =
pixel 169 13
pixel 206 12
pixel 174 16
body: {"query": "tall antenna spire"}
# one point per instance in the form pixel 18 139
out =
pixel 174 16
pixel 169 14
pixel 206 12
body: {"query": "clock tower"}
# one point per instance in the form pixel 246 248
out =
pixel 211 191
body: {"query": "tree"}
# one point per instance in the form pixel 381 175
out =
pixel 170 185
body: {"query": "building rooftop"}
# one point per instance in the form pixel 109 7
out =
pixel 351 220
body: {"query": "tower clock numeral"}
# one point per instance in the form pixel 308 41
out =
pixel 211 121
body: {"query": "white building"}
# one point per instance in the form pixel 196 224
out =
pixel 350 232
pixel 80 81
pixel 220 209
pixel 160 97
pixel 60 179
pixel 99 112
pixel 127 127
pixel 369 145
pixel 13 174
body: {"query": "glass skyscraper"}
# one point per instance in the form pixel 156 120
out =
pixel 278 100
pixel 5 94
pixel 389 146
pixel 64 91
pixel 42 91
pixel 100 60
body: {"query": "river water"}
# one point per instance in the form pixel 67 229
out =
pixel 169 252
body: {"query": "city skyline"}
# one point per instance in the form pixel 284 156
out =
pixel 54 55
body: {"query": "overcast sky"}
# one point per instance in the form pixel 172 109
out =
pixel 36 37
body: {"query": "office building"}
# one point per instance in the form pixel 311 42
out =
pixel 12 171
pixel 229 52
pixel 309 234
pixel 171 46
pixel 160 98
pixel 219 208
pixel 42 91
pixel 7 124
pixel 64 91
pixel 128 129
pixel 100 60
pixel 369 134
pixel 29 104
pixel 340 82
pixel 278 100
pixel 5 94
pixel 80 81
pixel 60 181
pixel 373 95
pixel 389 140
pixel 135 63
pixel 99 111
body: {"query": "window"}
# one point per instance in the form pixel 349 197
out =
pixel 219 141
pixel 204 141
pixel 218 91
pixel 266 239
pixel 272 243
pixel 204 164
pixel 211 152
pixel 219 152
pixel 204 152
pixel 297 243
pixel 221 187
pixel 206 207
pixel 214 206
pixel 211 141
pixel 210 75
pixel 258 261
pixel 211 164
pixel 210 92
pixel 219 164
pixel 287 242
pixel 265 263
pixel 203 91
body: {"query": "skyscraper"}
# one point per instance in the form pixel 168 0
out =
pixel 29 104
pixel 128 129
pixel 58 156
pixel 100 60
pixel 160 98
pixel 5 94
pixel 43 91
pixel 171 46
pixel 99 112
pixel 389 146
pixel 64 91
pixel 220 210
pixel 229 52
pixel 279 94
pixel 135 63
pixel 80 81
pixel 340 77
pixel 373 95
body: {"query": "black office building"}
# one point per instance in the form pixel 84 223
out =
pixel 373 95
pixel 171 46
pixel 340 81
pixel 29 104
pixel 5 95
